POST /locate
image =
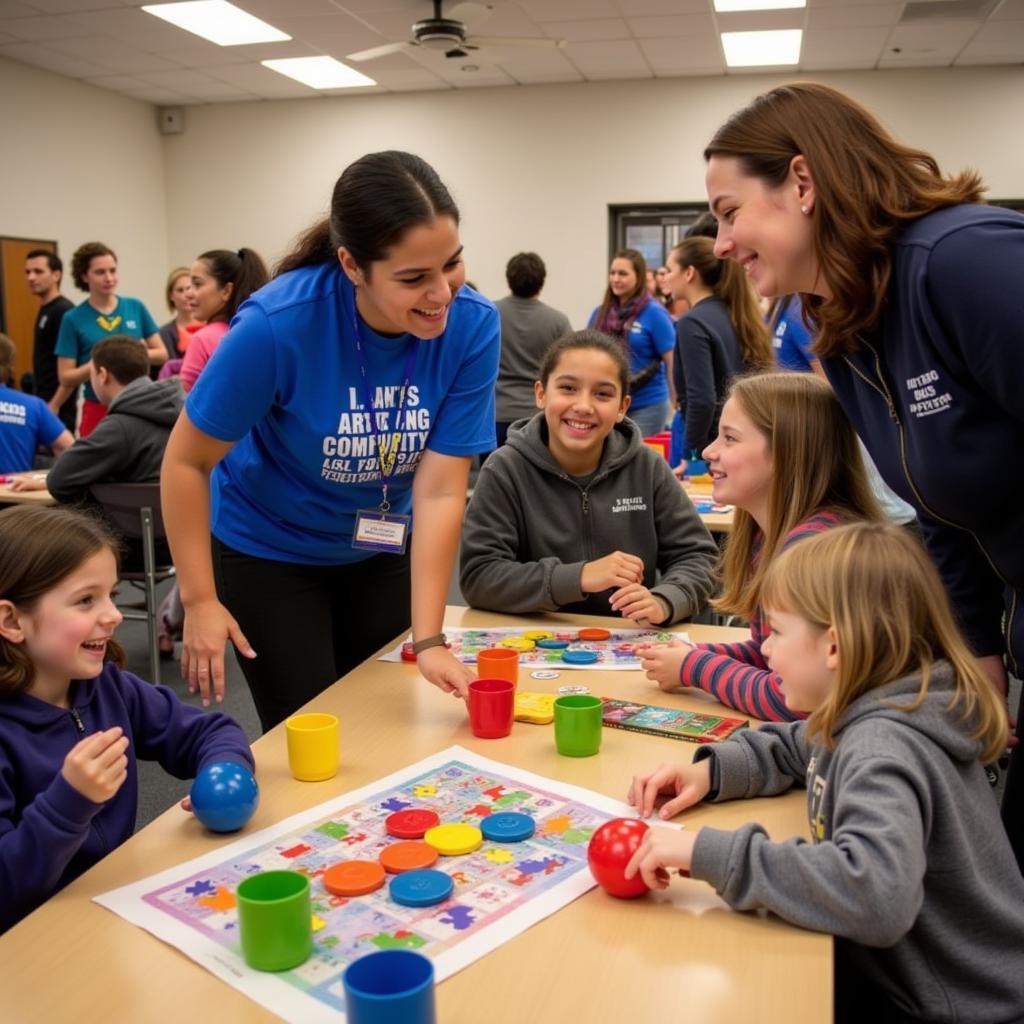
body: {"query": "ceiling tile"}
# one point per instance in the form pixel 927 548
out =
pixel 760 21
pixel 118 83
pixel 51 60
pixel 42 28
pixel 648 8
pixel 260 81
pixel 192 83
pixel 1008 10
pixel 867 16
pixel 411 79
pixel 569 10
pixel 161 97
pixel 587 30
pixel 601 58
pixel 671 25
pixel 540 66
pixel 938 39
pixel 824 47
pixel 11 9
pixel 996 33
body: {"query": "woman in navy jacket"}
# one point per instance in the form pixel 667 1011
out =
pixel 915 289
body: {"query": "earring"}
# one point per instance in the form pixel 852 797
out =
pixel 804 209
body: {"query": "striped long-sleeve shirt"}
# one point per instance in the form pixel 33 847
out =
pixel 737 675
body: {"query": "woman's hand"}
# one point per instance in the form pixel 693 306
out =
pixel 28 483
pixel 683 785
pixel 661 850
pixel 439 666
pixel 662 662
pixel 208 627
pixel 637 602
pixel 616 570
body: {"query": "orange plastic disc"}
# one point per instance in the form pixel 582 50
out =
pixel 408 856
pixel 353 878
pixel 593 633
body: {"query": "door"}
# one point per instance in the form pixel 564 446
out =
pixel 18 306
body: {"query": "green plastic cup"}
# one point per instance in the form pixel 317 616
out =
pixel 275 919
pixel 578 725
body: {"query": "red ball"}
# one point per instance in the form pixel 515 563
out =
pixel 611 848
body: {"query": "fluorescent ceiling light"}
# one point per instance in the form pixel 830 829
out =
pixel 728 6
pixel 319 72
pixel 220 22
pixel 762 49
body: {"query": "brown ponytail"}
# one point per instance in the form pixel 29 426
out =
pixel 729 282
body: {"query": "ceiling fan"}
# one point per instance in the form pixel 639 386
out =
pixel 451 35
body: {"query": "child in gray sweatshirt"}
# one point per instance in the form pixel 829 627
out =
pixel 908 864
pixel 574 513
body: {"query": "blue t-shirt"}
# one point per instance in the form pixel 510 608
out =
pixel 792 340
pixel 285 383
pixel 651 335
pixel 25 423
pixel 83 326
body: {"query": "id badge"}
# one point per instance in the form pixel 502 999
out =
pixel 381 531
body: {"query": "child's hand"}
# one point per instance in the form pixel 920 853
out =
pixel 97 766
pixel 661 849
pixel 611 572
pixel 439 666
pixel 637 602
pixel 685 786
pixel 28 483
pixel 186 804
pixel 662 662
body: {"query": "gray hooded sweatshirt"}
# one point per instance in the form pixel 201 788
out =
pixel 530 527
pixel 126 446
pixel 909 865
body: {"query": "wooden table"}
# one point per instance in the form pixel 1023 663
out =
pixel 684 956
pixel 716 522
pixel 9 497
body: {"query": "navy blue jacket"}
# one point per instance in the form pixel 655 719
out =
pixel 937 394
pixel 49 832
pixel 707 358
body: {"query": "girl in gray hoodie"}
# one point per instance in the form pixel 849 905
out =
pixel 574 513
pixel 908 864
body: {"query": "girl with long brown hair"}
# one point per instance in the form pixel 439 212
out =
pixel 644 329
pixel 787 458
pixel 907 865
pixel 914 288
pixel 722 336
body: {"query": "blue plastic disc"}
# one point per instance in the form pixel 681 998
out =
pixel 580 657
pixel 553 645
pixel 507 827
pixel 422 888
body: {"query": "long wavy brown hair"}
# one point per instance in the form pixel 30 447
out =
pixel 868 187
pixel 728 281
pixel 639 265
pixel 878 589
pixel 816 465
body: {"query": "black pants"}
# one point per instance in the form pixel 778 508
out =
pixel 309 624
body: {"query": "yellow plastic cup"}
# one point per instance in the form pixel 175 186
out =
pixel 312 746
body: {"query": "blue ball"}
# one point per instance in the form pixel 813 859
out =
pixel 224 796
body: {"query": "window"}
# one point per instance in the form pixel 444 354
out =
pixel 651 229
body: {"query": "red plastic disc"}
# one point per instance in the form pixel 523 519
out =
pixel 413 823
pixel 593 633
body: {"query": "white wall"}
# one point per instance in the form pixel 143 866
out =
pixel 536 167
pixel 83 164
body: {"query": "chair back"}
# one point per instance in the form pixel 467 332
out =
pixel 123 503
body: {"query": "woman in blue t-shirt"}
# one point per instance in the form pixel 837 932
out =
pixel 644 329
pixel 913 287
pixel 348 395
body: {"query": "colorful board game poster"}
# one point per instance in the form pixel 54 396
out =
pixel 674 723
pixel 500 890
pixel 616 651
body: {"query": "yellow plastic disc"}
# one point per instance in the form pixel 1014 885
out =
pixel 517 643
pixel 454 840
pixel 538 634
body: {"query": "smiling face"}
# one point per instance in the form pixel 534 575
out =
pixel 740 462
pixel 209 296
pixel 582 401
pixel 622 278
pixel 101 277
pixel 412 289
pixel 804 656
pixel 765 229
pixel 67 633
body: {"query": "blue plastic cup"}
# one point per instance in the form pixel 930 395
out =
pixel 393 986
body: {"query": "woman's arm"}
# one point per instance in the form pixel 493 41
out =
pixel 71 375
pixel 438 502
pixel 157 350
pixel 185 497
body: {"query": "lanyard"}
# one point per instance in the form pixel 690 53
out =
pixel 386 445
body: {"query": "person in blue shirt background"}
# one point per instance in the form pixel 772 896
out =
pixel 913 286
pixel 644 328
pixel 364 345
pixel 26 422
pixel 792 341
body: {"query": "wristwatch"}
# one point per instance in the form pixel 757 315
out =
pixel 438 640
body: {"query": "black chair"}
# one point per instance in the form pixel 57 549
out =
pixel 134 511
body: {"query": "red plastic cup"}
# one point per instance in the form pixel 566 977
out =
pixel 491 708
pixel 498 663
